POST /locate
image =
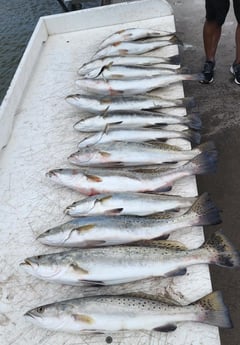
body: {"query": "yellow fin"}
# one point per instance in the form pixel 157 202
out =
pixel 93 178
pixel 84 228
pixel 79 269
pixel 104 154
pixel 83 318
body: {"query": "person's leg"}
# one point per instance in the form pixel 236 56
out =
pixel 216 12
pixel 235 68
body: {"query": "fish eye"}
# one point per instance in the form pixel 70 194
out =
pixel 40 310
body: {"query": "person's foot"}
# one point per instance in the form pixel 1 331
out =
pixel 208 72
pixel 235 70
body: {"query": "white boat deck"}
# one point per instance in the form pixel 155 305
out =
pixel 36 135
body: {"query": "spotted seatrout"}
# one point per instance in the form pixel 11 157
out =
pixel 121 264
pixel 93 181
pixel 172 62
pixel 136 119
pixel 132 34
pixel 121 153
pixel 111 230
pixel 126 312
pixel 140 204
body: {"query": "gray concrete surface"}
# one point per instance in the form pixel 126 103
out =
pixel 219 104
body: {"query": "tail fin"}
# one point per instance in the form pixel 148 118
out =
pixel 204 163
pixel 187 102
pixel 205 210
pixel 225 254
pixel 192 136
pixel 174 60
pixel 176 40
pixel 193 121
pixel 214 310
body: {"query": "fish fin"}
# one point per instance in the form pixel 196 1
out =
pixel 225 254
pixel 113 211
pixel 204 163
pixel 158 298
pixel 170 327
pixel 123 52
pixel 84 228
pixel 187 102
pixel 162 238
pixel 192 136
pixel 205 211
pixel 174 60
pixel 104 154
pixel 83 318
pixel 193 121
pixel 94 243
pixel 176 40
pixel 174 245
pixel 214 310
pixel 93 178
pixel 165 188
pixel 78 269
pixel 177 272
pixel 103 199
pixel 92 282
pixel 160 215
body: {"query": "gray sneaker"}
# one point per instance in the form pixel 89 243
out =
pixel 208 72
pixel 235 70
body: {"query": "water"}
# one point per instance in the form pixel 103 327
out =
pixel 17 22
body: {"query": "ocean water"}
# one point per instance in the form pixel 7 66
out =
pixel 17 22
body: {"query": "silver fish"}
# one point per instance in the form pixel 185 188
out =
pixel 136 135
pixel 132 72
pixel 134 48
pixel 125 312
pixel 136 119
pixel 121 153
pixel 93 181
pixel 172 62
pixel 103 104
pixel 140 204
pixel 110 230
pixel 121 264
pixel 132 34
pixel 131 86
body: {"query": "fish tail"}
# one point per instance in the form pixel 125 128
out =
pixel 187 102
pixel 176 40
pixel 193 121
pixel 205 211
pixel 196 76
pixel 192 136
pixel 224 252
pixel 213 311
pixel 174 60
pixel 204 163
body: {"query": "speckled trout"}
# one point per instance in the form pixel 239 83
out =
pixel 125 312
pixel 133 34
pixel 122 153
pixel 172 62
pixel 134 48
pixel 140 204
pixel 91 181
pixel 103 104
pixel 121 264
pixel 110 135
pixel 136 119
pixel 121 87
pixel 110 230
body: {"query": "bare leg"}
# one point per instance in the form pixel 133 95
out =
pixel 211 36
pixel 237 61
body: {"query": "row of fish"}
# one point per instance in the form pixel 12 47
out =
pixel 122 225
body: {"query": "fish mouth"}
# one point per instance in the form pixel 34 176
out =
pixel 51 173
pixel 26 263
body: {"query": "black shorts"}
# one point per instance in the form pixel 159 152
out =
pixel 216 10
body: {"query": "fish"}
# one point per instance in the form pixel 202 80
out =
pixel 122 153
pixel 140 204
pixel 171 62
pixel 130 87
pixel 121 264
pixel 108 230
pixel 94 105
pixel 127 312
pixel 135 135
pixel 132 34
pixel 136 119
pixel 134 48
pixel 111 71
pixel 91 181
